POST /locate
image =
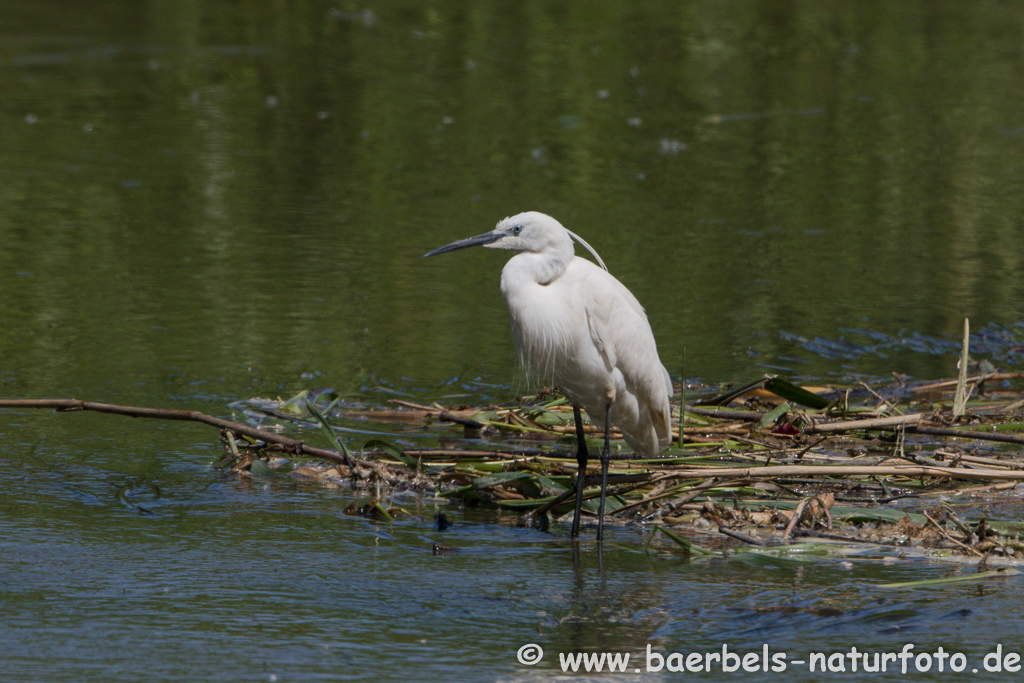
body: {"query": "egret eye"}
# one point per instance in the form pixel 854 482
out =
pixel 517 229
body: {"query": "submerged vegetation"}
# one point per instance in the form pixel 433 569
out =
pixel 922 467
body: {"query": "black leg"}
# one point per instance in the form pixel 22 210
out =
pixel 581 476
pixel 606 454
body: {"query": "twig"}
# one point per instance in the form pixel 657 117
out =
pixel 985 488
pixel 947 536
pixel 799 511
pixel 714 429
pixel 889 405
pixel 752 442
pixel 65 405
pixel 968 434
pixel 959 524
pixel 461 455
pixel 415 406
pixel 795 519
pixel 977 378
pixel 1016 405
pixel 725 414
pixel 802 453
pixel 685 498
pixel 643 479
pixel 742 537
pixel 554 502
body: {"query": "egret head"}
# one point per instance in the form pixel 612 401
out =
pixel 529 231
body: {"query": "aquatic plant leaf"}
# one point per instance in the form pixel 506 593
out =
pixel 783 388
pixel 370 508
pixel 326 394
pixel 380 512
pixel 328 431
pixel 525 503
pixel 795 551
pixel 392 450
pixel 549 486
pixel 840 513
pixel 499 478
pixel 295 403
pixel 727 397
pixel 258 468
pixel 689 545
pixel 549 417
pixel 859 515
pixel 1009 571
pixel 498 466
pixel 508 427
pixel 560 401
pixel 774 414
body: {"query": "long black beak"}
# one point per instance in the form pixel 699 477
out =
pixel 485 238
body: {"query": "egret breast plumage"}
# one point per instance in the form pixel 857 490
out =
pixel 579 328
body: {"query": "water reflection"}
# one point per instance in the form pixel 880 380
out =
pixel 205 202
pixel 265 194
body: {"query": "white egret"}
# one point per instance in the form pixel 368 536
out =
pixel 578 327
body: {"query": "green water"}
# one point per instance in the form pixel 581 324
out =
pixel 203 202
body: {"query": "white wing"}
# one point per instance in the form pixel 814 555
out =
pixel 622 335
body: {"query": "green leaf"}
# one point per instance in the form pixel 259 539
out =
pixel 295 403
pixel 727 397
pixel 525 503
pixel 392 450
pixel 499 478
pixel 332 436
pixel 451 493
pixel 258 468
pixel 549 486
pixel 495 466
pixel 549 417
pixel 561 401
pixel 774 414
pixel 791 392
pixel 508 427
pixel 382 511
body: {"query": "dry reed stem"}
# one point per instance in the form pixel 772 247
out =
pixel 945 384
pixel 784 471
pixel 875 423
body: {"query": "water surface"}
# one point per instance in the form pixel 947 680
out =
pixel 207 202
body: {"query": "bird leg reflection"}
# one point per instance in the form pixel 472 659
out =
pixel 581 458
